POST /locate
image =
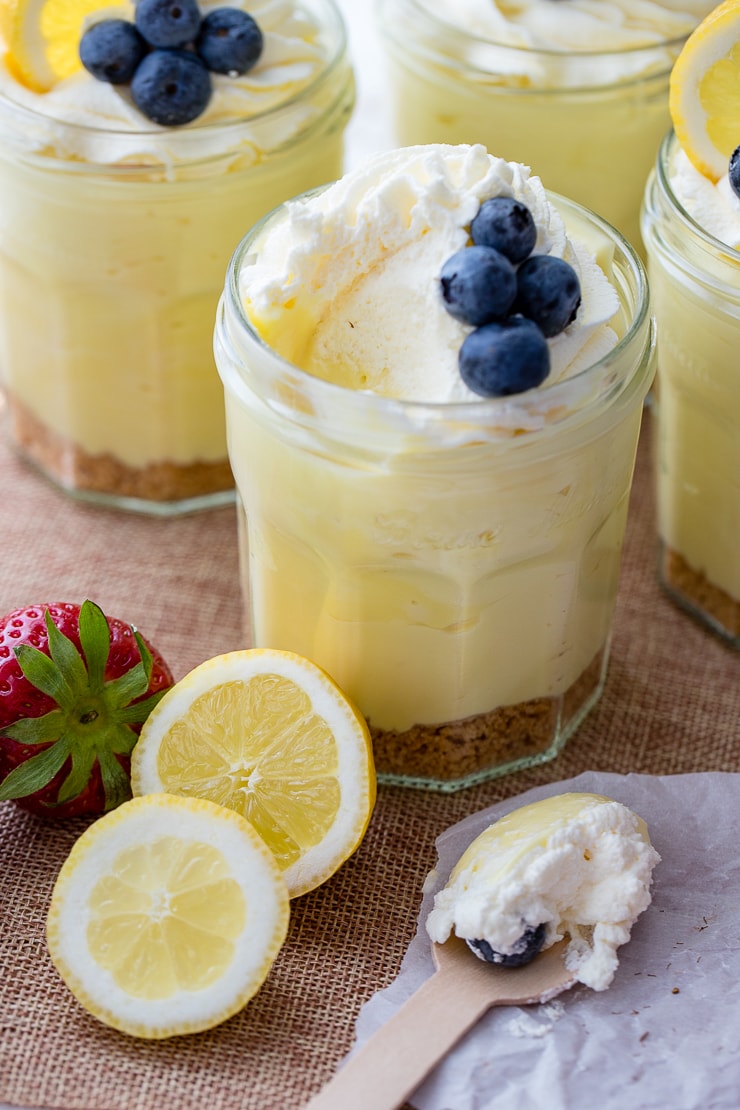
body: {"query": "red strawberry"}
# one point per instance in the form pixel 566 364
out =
pixel 75 689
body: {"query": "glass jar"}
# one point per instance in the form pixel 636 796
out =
pixel 695 280
pixel 589 124
pixel 453 567
pixel 110 275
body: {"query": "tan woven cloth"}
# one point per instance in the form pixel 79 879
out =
pixel 672 704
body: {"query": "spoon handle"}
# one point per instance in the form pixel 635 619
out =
pixel 395 1060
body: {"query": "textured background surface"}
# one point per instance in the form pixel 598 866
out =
pixel 672 704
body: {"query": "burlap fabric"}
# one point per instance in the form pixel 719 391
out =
pixel 671 705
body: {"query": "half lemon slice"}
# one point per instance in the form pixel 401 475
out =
pixel 705 91
pixel 42 37
pixel 268 734
pixel 167 916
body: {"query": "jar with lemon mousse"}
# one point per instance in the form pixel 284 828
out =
pixel 691 226
pixel 578 91
pixel 115 230
pixel 451 560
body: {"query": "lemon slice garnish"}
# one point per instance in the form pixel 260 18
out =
pixel 42 37
pixel 705 91
pixel 269 734
pixel 167 916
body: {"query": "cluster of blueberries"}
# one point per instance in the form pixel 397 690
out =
pixel 735 171
pixel 168 54
pixel 515 300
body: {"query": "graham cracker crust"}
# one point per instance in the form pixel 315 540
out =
pixel 510 734
pixel 694 590
pixel 66 463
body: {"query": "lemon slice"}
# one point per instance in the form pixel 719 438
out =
pixel 167 916
pixel 705 91
pixel 269 734
pixel 42 37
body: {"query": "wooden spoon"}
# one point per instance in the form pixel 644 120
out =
pixel 399 1055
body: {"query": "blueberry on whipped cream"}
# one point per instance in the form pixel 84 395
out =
pixel 507 225
pixel 523 952
pixel 168 54
pixel 734 173
pixel 478 285
pixel 167 24
pixel 548 292
pixel 111 51
pixel 504 358
pixel 514 299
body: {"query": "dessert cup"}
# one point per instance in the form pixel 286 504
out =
pixel 110 275
pixel 454 567
pixel 590 123
pixel 695 281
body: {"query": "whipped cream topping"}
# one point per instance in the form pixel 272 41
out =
pixel 573 25
pixel 346 286
pixel 715 207
pixel 82 118
pixel 579 863
pixel 564 43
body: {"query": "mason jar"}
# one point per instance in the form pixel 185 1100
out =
pixel 590 123
pixel 695 280
pixel 453 567
pixel 110 273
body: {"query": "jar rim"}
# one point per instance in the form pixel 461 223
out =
pixel 486 412
pixel 668 147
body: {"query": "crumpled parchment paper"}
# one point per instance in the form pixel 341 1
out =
pixel 666 1034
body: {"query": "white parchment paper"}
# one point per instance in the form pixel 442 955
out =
pixel 666 1034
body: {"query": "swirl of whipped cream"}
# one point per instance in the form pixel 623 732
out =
pixel 82 118
pixel 346 286
pixel 573 25
pixel 715 207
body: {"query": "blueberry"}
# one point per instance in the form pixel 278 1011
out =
pixel 526 948
pixel 735 171
pixel 229 41
pixel 478 285
pixel 168 23
pixel 111 50
pixel 548 292
pixel 500 359
pixel 507 225
pixel 171 87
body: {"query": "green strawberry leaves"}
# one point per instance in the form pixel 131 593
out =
pixel 93 719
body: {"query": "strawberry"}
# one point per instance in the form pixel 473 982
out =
pixel 75 689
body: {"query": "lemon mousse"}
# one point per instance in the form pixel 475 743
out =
pixel 449 556
pixel 691 225
pixel 116 227
pixel 578 90
pixel 575 865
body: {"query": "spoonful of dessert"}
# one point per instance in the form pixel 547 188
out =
pixel 543 897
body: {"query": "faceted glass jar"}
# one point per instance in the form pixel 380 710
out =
pixel 589 123
pixel 453 567
pixel 695 281
pixel 110 275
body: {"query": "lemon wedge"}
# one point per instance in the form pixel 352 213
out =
pixel 42 37
pixel 705 91
pixel 268 734
pixel 167 916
